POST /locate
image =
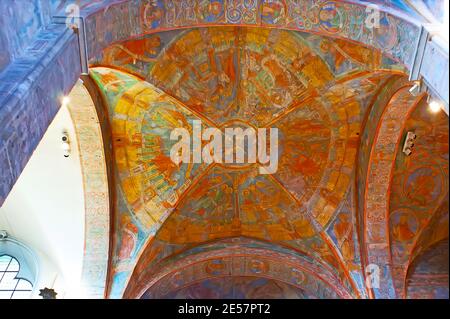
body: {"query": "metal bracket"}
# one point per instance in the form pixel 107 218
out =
pixel 79 28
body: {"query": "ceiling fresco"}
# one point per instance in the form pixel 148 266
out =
pixel 315 90
pixel 110 22
pixel 344 197
pixel 241 64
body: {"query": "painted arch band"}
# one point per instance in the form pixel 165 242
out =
pixel 231 146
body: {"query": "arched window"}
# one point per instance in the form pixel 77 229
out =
pixel 11 286
pixel 18 269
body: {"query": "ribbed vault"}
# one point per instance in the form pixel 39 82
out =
pixel 174 222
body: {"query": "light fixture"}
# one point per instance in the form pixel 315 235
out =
pixel 65 145
pixel 416 89
pixel 65 101
pixel 434 105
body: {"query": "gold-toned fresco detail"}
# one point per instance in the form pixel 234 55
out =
pixel 315 90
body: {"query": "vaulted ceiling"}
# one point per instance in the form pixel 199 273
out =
pixel 197 230
pixel 346 204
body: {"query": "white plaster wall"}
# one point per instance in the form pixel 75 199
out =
pixel 45 210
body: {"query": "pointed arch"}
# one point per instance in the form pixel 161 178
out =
pixel 96 191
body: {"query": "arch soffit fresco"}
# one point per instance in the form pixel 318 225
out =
pixel 378 229
pixel 96 192
pixel 419 193
pixel 109 22
pixel 256 259
pixel 378 181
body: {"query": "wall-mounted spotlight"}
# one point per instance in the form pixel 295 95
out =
pixel 435 105
pixel 65 144
pixel 409 143
pixel 65 101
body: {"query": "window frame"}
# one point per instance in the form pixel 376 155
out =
pixel 26 259
pixel 17 278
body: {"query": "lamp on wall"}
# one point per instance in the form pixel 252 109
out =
pixel 434 104
pixel 66 144
pixel 416 89
pixel 65 101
